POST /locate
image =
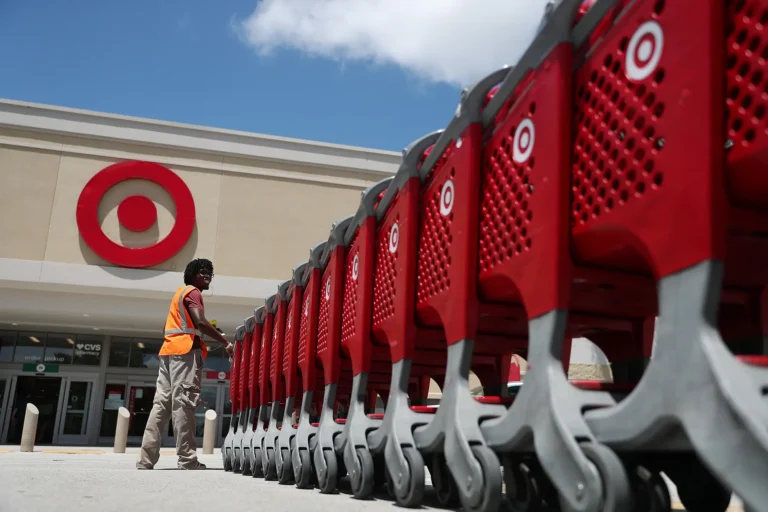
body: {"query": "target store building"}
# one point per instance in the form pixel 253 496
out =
pixel 82 310
pixel 101 213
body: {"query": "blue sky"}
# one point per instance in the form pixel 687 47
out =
pixel 274 66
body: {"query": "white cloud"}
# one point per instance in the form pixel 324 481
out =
pixel 451 41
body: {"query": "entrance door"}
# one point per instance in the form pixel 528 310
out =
pixel 44 392
pixel 73 424
pixel 141 395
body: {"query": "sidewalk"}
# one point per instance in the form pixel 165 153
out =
pixel 93 479
pixel 92 450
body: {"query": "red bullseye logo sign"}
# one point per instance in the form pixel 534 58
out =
pixel 135 213
pixel 644 51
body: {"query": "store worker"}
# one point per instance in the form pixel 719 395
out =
pixel 181 370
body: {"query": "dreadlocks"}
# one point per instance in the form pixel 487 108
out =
pixel 196 266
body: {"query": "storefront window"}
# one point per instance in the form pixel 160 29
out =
pixel 58 348
pixel 30 347
pixel 7 342
pixel 145 353
pixel 50 348
pixel 87 350
pixel 120 352
pixel 135 353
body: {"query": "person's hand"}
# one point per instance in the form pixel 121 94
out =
pixel 230 350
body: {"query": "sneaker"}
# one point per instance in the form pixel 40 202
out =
pixel 142 466
pixel 196 465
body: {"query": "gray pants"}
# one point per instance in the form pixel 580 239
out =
pixel 177 396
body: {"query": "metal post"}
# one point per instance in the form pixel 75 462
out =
pixel 121 431
pixel 209 432
pixel 29 430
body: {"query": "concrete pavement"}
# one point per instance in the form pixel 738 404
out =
pixel 97 480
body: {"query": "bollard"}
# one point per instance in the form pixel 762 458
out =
pixel 209 432
pixel 29 430
pixel 121 431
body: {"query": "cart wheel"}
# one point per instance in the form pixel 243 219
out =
pixel 237 462
pixel 523 494
pixel 411 491
pixel 303 471
pixel 443 483
pixel 650 491
pixel 490 496
pixel 617 495
pixel 246 466
pixel 285 475
pixel 270 471
pixel 327 479
pixel 226 460
pixel 256 464
pixel 362 479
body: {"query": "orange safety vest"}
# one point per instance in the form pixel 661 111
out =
pixel 180 330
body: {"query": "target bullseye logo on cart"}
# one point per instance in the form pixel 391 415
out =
pixel 525 137
pixel 644 51
pixel 355 267
pixel 394 238
pixel 135 213
pixel 446 198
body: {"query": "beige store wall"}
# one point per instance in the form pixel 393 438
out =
pixel 27 188
pixel 250 225
pixel 267 226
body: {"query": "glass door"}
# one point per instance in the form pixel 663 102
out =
pixel 45 393
pixel 73 423
pixel 113 400
pixel 141 396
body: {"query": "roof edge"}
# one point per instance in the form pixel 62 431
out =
pixel 150 132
